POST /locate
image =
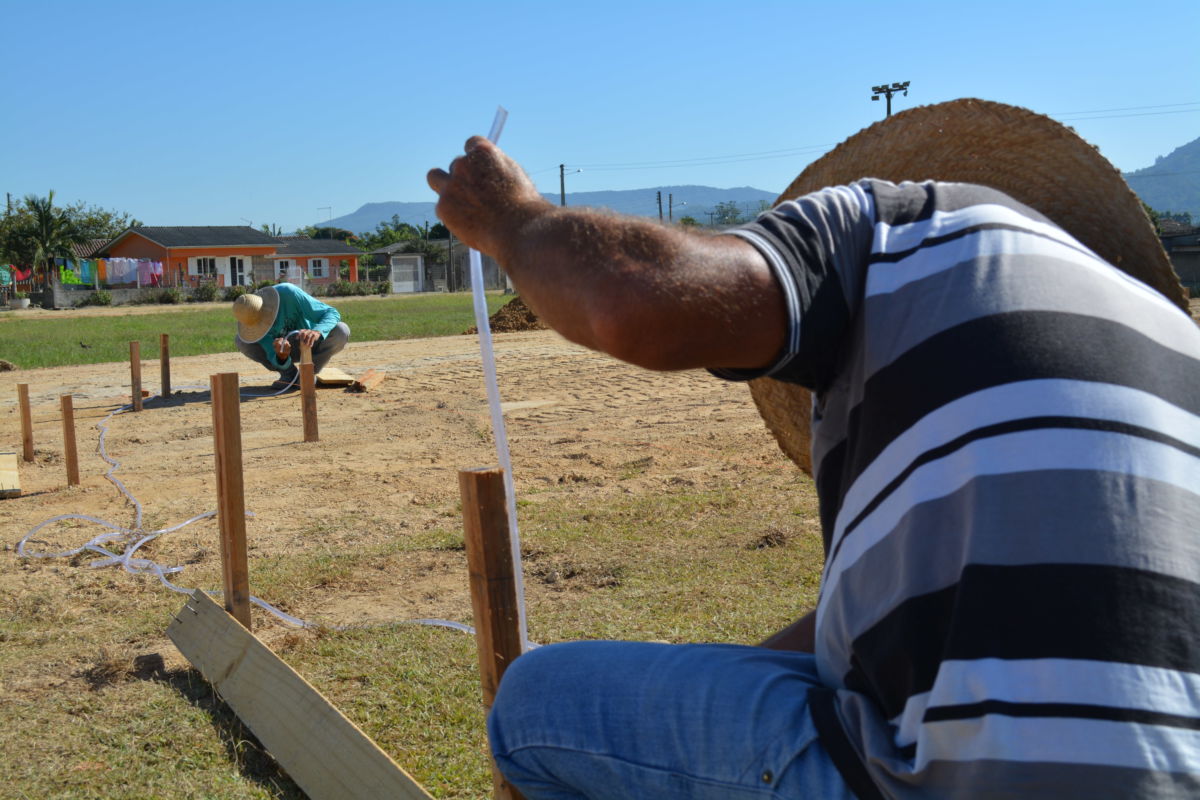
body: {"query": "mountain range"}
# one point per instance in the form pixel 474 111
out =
pixel 677 201
pixel 1173 183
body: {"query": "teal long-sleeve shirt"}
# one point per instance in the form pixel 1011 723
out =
pixel 298 310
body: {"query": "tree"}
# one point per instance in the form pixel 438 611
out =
pixel 37 233
pixel 36 219
pixel 389 233
pixel 271 230
pixel 689 222
pixel 727 213
pixel 94 222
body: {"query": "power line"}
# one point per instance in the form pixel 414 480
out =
pixel 1126 108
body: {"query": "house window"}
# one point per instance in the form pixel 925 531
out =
pixel 282 267
pixel 316 267
pixel 206 266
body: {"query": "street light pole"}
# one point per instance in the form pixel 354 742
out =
pixel 884 89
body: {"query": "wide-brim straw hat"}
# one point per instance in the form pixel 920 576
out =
pixel 256 313
pixel 1029 157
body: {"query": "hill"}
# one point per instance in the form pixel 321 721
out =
pixel 1173 183
pixel 677 201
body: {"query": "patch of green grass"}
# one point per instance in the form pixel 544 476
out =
pixel 49 342
pixel 729 561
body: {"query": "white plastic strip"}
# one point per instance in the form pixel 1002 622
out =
pixel 493 394
pixel 138 538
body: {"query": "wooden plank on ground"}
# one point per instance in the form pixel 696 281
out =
pixel 332 376
pixel 325 753
pixel 368 381
pixel 10 479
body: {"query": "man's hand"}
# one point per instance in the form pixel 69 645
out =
pixel 283 348
pixel 485 196
pixel 309 337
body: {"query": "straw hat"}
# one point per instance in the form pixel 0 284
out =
pixel 256 313
pixel 1029 157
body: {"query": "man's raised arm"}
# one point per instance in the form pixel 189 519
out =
pixel 656 296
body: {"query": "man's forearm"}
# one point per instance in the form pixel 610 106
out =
pixel 656 296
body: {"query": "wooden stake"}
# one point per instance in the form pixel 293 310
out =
pixel 26 422
pixel 69 451
pixel 164 364
pixel 493 587
pixel 231 502
pixel 308 401
pixel 135 374
pixel 305 353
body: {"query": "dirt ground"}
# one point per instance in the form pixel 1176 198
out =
pixel 386 462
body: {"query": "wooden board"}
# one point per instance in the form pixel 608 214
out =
pixel 332 376
pixel 367 381
pixel 325 753
pixel 10 479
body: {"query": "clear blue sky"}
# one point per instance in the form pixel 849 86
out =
pixel 216 112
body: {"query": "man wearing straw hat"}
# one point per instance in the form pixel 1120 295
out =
pixel 988 374
pixel 275 321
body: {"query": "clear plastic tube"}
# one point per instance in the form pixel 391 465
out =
pixel 488 356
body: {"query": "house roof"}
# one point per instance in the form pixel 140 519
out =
pixel 316 247
pixel 401 247
pixel 88 247
pixel 203 236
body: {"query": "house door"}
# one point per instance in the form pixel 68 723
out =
pixel 237 271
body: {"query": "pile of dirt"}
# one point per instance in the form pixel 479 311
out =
pixel 512 317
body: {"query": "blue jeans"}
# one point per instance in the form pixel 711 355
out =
pixel 326 348
pixel 628 720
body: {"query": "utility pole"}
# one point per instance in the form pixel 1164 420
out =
pixel 671 207
pixel 562 184
pixel 884 89
pixel 659 193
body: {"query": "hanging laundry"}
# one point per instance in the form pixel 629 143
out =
pixel 102 269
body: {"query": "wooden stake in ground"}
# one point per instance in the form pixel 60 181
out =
pixel 26 422
pixel 493 586
pixel 231 502
pixel 308 394
pixel 135 374
pixel 69 451
pixel 164 364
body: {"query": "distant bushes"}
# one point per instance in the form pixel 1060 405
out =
pixel 96 298
pixel 356 289
pixel 204 293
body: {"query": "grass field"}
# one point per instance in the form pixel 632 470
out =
pixel 728 557
pixel 46 340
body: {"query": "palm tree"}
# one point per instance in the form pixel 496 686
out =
pixel 48 232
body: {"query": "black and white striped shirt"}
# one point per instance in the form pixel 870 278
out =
pixel 1006 446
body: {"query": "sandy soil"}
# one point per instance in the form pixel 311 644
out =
pixel 387 461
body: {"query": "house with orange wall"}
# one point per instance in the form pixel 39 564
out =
pixel 319 259
pixel 224 254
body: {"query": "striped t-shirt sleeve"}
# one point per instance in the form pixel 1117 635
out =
pixel 817 247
